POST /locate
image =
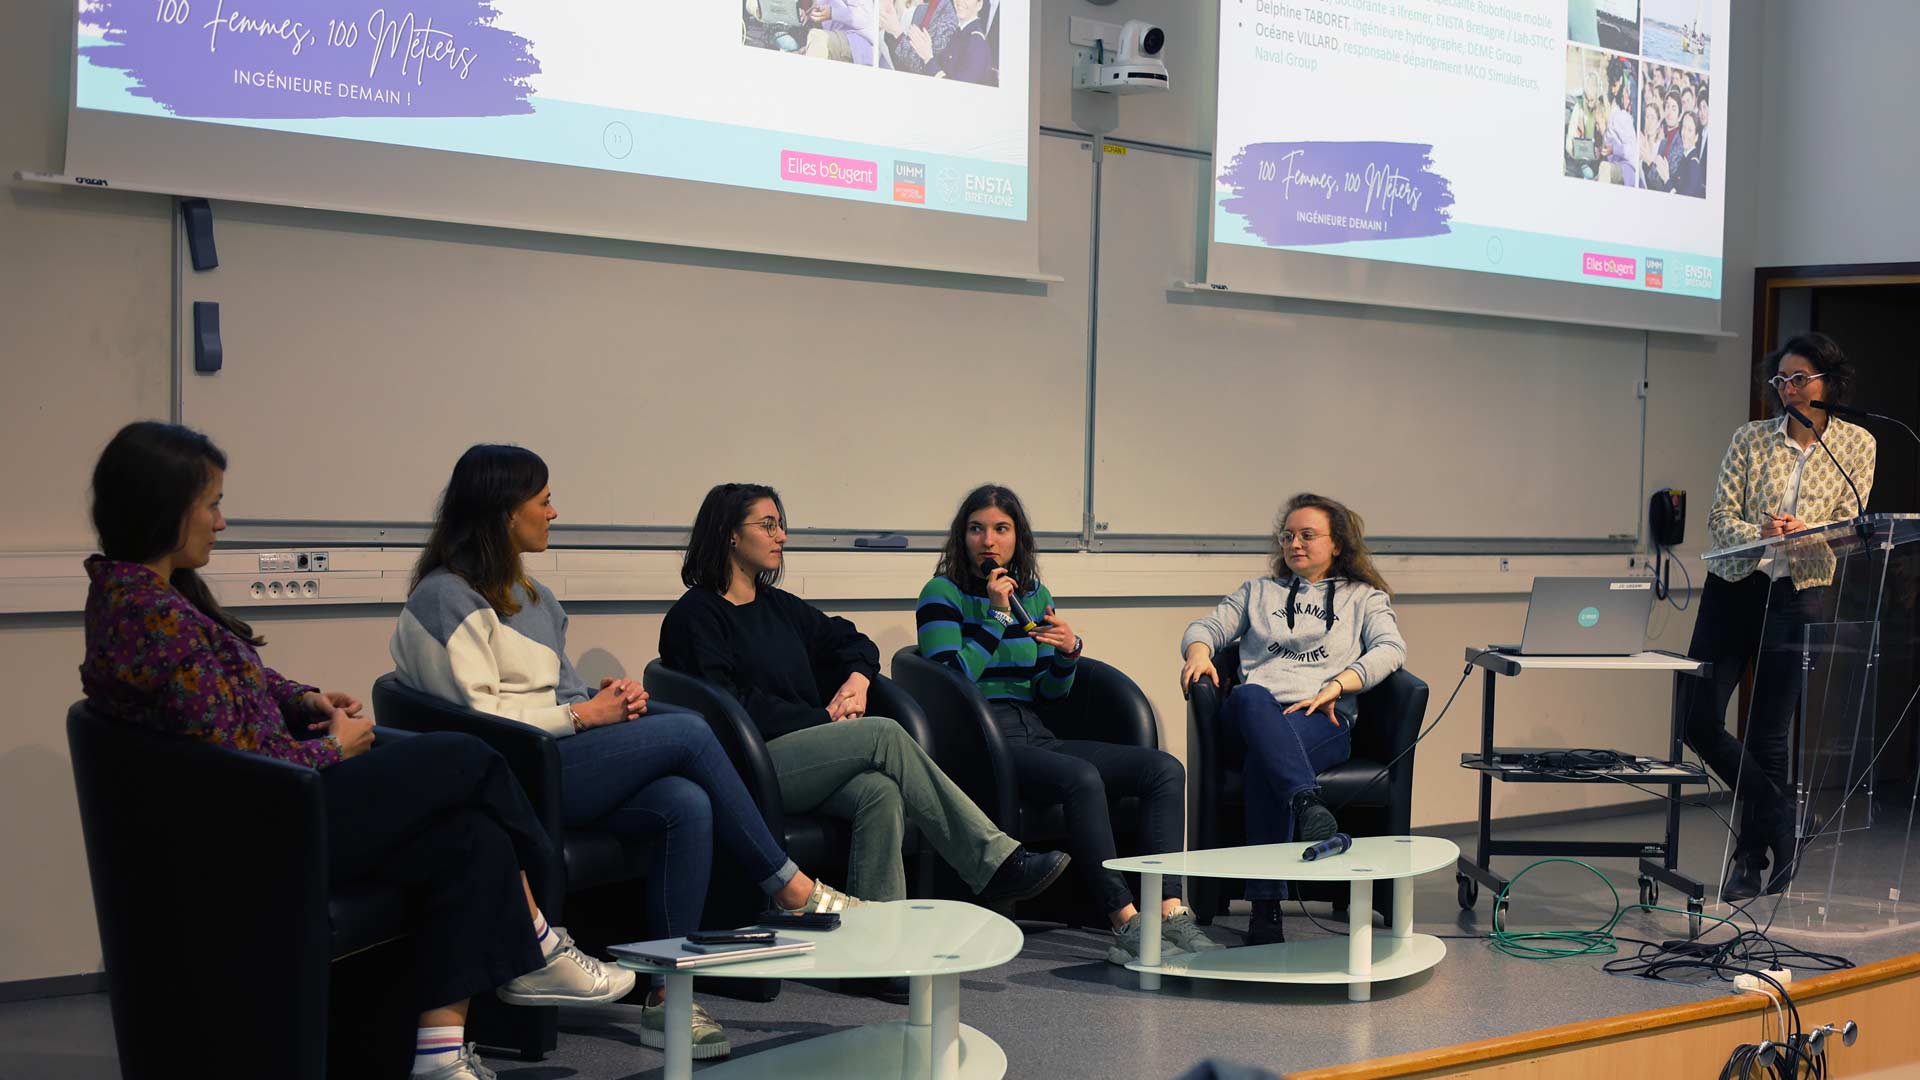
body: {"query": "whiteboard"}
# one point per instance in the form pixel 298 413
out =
pixel 1211 409
pixel 363 355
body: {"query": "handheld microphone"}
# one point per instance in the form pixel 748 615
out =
pixel 1859 504
pixel 987 567
pixel 1336 844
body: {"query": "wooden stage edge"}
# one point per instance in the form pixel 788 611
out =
pixel 1686 1040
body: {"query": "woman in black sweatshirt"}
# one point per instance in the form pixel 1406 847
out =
pixel 802 676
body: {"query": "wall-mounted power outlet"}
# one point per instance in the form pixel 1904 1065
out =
pixel 273 562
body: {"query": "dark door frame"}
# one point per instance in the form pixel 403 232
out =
pixel 1768 281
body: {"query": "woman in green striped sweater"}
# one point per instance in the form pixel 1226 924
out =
pixel 966 621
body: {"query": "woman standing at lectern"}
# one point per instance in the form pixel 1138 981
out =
pixel 1773 480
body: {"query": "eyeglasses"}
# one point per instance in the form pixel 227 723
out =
pixel 770 526
pixel 1797 380
pixel 1307 536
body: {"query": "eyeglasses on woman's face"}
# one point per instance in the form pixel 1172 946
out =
pixel 1798 380
pixel 772 526
pixel 1305 536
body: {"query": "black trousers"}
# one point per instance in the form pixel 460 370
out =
pixel 1758 620
pixel 440 816
pixel 1080 775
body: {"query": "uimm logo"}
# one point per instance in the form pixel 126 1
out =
pixel 909 182
pixel 1656 273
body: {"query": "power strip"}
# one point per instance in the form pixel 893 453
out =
pixel 1757 985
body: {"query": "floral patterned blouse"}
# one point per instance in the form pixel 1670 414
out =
pixel 156 660
pixel 1755 478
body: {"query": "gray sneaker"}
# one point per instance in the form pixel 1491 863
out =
pixel 1183 934
pixel 709 1038
pixel 571 977
pixel 467 1066
pixel 1125 948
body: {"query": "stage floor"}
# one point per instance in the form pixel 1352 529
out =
pixel 1060 1009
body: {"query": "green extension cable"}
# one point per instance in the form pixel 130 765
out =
pixel 1555 944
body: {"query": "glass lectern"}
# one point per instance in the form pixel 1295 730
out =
pixel 1852 745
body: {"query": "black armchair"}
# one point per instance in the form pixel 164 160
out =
pixel 1104 705
pixel 584 860
pixel 1366 802
pixel 179 831
pixel 820 844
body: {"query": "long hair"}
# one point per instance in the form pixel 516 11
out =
pixel 709 561
pixel 955 563
pixel 470 534
pixel 1354 562
pixel 1824 354
pixel 143 486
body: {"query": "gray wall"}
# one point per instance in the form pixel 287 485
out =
pixel 1839 150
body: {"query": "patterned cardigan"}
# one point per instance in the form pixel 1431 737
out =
pixel 1753 481
pixel 156 660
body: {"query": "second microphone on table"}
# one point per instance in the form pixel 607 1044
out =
pixel 1333 845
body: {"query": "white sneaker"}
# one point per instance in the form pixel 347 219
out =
pixel 467 1066
pixel 571 977
pixel 823 898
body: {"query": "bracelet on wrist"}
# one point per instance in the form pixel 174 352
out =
pixel 578 725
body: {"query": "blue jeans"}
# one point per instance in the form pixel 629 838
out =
pixel 1284 753
pixel 665 775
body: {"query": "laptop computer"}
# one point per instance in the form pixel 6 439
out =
pixel 1587 616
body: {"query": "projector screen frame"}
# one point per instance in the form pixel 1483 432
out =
pixel 498 192
pixel 1331 275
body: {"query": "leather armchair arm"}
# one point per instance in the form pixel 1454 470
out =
pixel 888 698
pixel 735 730
pixel 175 828
pixel 1388 726
pixel 966 742
pixel 1104 705
pixel 1212 745
pixel 530 752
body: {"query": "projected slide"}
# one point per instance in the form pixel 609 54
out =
pixel 1562 140
pixel 888 101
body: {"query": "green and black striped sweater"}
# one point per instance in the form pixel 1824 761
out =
pixel 956 629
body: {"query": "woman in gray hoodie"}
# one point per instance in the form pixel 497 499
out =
pixel 1317 631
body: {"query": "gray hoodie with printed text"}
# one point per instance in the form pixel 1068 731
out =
pixel 1358 630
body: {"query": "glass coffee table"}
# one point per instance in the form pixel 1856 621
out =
pixel 930 942
pixel 1358 961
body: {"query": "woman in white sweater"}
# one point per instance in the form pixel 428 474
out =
pixel 479 632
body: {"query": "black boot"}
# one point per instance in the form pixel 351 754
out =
pixel 1744 882
pixel 1264 927
pixel 1312 821
pixel 1024 875
pixel 1786 860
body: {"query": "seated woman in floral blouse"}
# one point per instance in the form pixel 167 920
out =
pixel 437 815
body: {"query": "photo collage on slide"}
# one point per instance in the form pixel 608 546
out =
pixel 942 39
pixel 1637 94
